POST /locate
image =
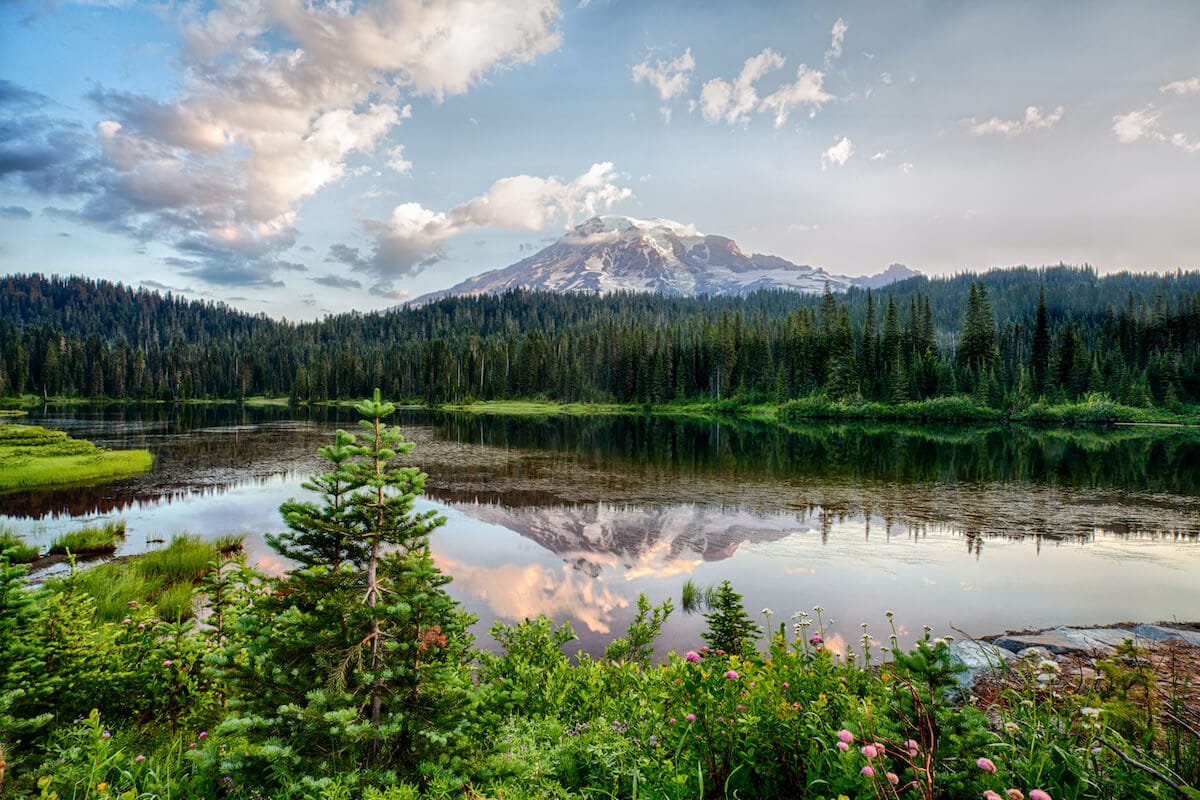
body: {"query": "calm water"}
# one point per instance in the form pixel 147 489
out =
pixel 982 529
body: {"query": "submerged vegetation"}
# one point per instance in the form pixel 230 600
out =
pixel 354 675
pixel 32 456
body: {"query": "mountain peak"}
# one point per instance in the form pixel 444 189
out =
pixel 613 253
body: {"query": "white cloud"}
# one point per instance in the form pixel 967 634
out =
pixel 1035 120
pixel 414 236
pixel 886 78
pixel 1187 86
pixel 806 90
pixel 837 155
pixel 1185 144
pixel 277 95
pixel 838 35
pixel 734 102
pixel 670 78
pixel 907 168
pixel 882 155
pixel 1137 125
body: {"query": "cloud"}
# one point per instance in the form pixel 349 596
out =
pixel 733 102
pixel 835 44
pixel 1187 86
pixel 882 155
pixel 275 97
pixel 805 91
pixel 397 162
pixel 337 282
pixel 837 155
pixel 1137 125
pixel 414 237
pixel 1035 120
pixel 1184 143
pixel 670 78
pixel 15 212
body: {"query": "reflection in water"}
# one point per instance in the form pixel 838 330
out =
pixel 984 528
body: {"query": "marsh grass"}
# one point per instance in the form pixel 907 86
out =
pixel 229 543
pixel 15 547
pixel 90 541
pixel 165 577
pixel 32 456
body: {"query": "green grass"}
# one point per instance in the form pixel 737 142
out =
pixel 228 543
pixel 15 547
pixel 90 541
pixel 540 408
pixel 164 577
pixel 33 457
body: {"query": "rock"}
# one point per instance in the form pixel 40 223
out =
pixel 979 658
pixel 1068 640
pixel 1162 633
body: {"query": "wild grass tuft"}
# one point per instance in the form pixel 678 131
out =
pixel 175 602
pixel 228 543
pixel 15 548
pixel 90 540
pixel 185 559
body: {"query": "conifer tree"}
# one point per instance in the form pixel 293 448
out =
pixel 1039 354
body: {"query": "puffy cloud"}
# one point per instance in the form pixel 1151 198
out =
pixel 397 161
pixel 1184 143
pixel 670 78
pixel 882 155
pixel 838 35
pixel 1187 86
pixel 414 237
pixel 837 155
pixel 733 102
pixel 1034 120
pixel 1137 125
pixel 275 97
pixel 805 91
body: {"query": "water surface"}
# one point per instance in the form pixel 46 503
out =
pixel 980 529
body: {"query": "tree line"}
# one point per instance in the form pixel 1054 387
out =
pixel 1006 337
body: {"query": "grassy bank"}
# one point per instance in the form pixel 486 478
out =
pixel 33 457
pixel 90 541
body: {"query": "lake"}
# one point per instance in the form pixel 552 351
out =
pixel 975 529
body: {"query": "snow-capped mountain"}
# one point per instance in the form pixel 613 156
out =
pixel 614 253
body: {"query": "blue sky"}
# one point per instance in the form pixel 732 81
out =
pixel 306 158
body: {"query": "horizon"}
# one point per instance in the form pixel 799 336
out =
pixel 307 160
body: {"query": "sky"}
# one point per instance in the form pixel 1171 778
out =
pixel 306 157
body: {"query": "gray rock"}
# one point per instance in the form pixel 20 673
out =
pixel 979 658
pixel 1162 633
pixel 1068 640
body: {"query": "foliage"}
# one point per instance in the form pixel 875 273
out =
pixel 15 548
pixel 90 540
pixel 730 629
pixel 32 456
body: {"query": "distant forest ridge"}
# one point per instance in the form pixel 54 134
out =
pixel 1005 337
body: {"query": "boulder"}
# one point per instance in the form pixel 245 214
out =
pixel 1068 640
pixel 979 658
pixel 1162 633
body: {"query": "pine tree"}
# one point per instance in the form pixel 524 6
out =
pixel 1039 354
pixel 730 628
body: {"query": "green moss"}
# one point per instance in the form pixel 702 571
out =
pixel 33 457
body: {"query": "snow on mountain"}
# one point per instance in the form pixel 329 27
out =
pixel 614 253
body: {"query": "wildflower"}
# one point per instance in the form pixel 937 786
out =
pixel 893 778
pixel 868 771
pixel 168 663
pixel 912 747
pixel 101 786
pixel 845 736
pixel 202 735
pixel 720 652
pixel 786 684
pixel 741 707
pixel 126 621
pixel 1049 667
pixel 1094 713
pixel 889 614
pixel 672 721
pixel 990 795
pixel 107 734
pixel 141 626
pixel 985 764
pixel 767 611
pixel 132 604
pixel 869 751
pixel 191 746
pixel 731 674
pixel 140 758
pixel 690 717
pixel 816 638
pixel 1012 728
pixel 1038 794
pixel 1015 794
pixel 843 747
pixel 818 609
pixel 692 656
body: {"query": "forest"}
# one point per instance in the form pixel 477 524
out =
pixel 1005 339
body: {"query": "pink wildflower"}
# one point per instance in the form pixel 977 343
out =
pixel 672 721
pixel 692 656
pixel 140 758
pixel 732 675
pixel 990 795
pixel 816 638
pixel 126 621
pixel 985 764
pixel 132 604
pixel 107 734
pixel 690 717
pixel 168 663
pixel 741 707
pixel 912 747
pixel 868 771
pixel 845 736
pixel 1038 794
pixel 893 778
pixel 1015 794
pixel 843 747
pixel 869 751
pixel 202 735
pixel 786 684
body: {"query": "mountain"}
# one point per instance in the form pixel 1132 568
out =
pixel 893 274
pixel 613 253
